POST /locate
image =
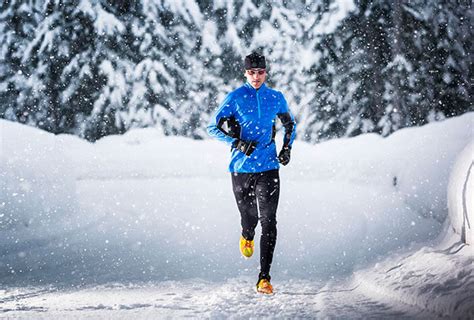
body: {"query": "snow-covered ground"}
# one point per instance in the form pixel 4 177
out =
pixel 145 225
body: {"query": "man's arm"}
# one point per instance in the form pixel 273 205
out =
pixel 288 122
pixel 289 125
pixel 222 114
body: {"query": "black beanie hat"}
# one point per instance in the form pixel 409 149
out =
pixel 255 60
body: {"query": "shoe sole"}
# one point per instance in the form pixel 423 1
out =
pixel 243 255
pixel 263 292
pixel 246 256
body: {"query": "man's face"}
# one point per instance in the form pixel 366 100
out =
pixel 256 77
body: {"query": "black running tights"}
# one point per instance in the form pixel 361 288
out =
pixel 259 193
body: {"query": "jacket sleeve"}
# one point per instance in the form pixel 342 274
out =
pixel 224 112
pixel 288 121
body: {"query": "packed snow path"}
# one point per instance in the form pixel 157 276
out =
pixel 234 298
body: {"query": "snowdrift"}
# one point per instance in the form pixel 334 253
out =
pixel 461 195
pixel 439 279
pixel 37 195
pixel 142 207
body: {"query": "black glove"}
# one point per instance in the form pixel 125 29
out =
pixel 246 147
pixel 284 156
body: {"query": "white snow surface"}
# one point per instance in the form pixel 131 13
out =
pixel 142 225
pixel 461 194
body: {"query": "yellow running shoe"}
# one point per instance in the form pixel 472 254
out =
pixel 246 247
pixel 264 286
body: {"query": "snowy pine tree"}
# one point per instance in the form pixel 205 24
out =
pixel 389 65
pixel 17 25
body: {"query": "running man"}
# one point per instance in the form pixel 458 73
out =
pixel 246 121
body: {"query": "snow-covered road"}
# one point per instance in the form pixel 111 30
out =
pixel 201 299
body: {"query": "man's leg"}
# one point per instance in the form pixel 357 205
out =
pixel 268 193
pixel 243 185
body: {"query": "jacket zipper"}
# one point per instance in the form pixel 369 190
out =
pixel 258 104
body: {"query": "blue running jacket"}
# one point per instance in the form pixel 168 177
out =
pixel 249 115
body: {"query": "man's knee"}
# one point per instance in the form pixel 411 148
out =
pixel 268 225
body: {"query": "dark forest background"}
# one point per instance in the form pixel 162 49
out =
pixel 94 68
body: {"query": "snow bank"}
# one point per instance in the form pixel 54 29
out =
pixel 141 207
pixel 37 191
pixel 461 195
pixel 413 162
pixel 438 279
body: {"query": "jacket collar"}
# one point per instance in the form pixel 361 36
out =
pixel 262 88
